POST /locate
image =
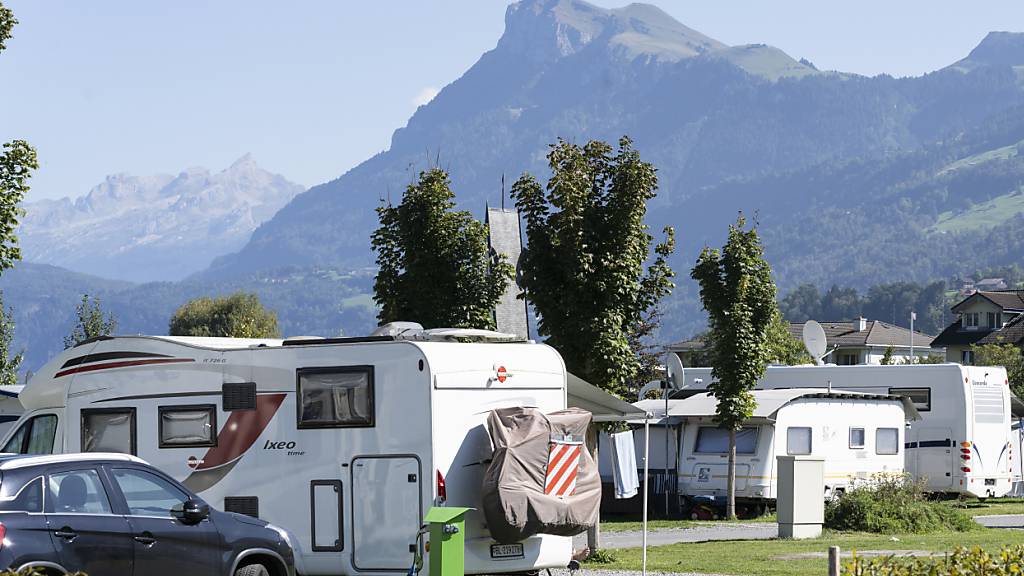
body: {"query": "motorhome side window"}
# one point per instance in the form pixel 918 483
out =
pixel 34 437
pixel 715 440
pixel 798 441
pixel 335 397
pixel 887 441
pixel 108 430
pixel 856 438
pixel 921 397
pixel 188 426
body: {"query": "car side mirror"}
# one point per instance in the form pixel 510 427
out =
pixel 195 511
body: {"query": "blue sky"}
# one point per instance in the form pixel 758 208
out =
pixel 313 88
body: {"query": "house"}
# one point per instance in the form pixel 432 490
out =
pixel 863 341
pixel 858 341
pixel 985 317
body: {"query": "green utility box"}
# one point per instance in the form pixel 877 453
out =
pixel 447 540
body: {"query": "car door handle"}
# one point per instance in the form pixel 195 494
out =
pixel 66 533
pixel 144 539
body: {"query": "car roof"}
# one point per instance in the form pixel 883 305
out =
pixel 15 461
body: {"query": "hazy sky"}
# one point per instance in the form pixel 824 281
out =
pixel 313 88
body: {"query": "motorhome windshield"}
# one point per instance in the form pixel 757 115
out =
pixel 715 440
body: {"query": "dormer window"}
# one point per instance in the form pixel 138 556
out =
pixel 970 320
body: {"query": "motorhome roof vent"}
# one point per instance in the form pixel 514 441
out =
pixel 397 329
pixel 461 335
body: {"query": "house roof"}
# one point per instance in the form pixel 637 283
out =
pixel 953 335
pixel 875 334
pixel 1005 299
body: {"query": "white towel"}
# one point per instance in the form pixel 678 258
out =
pixel 627 481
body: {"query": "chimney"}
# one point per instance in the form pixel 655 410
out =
pixel 860 324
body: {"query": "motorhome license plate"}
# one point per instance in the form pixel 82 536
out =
pixel 506 551
pixel 990 481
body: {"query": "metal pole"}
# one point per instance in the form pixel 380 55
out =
pixel 664 483
pixel 913 315
pixel 647 444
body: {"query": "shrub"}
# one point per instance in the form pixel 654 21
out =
pixel 601 556
pixel 893 504
pixel 962 561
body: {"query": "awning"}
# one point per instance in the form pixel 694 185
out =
pixel 604 406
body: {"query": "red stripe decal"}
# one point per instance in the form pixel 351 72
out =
pixel 570 480
pixel 240 431
pixel 94 367
pixel 553 463
pixel 565 467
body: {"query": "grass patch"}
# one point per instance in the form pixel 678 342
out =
pixel 990 507
pixel 781 557
pixel 983 215
pixel 632 523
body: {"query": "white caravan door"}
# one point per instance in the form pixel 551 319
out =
pixel 934 448
pixel 386 511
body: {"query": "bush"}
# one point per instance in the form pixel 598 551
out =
pixel 601 556
pixel 960 562
pixel 893 504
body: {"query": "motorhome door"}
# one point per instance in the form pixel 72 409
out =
pixel 934 456
pixel 386 511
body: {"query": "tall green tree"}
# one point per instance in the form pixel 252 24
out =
pixel 90 323
pixel 240 315
pixel 584 268
pixel 1006 355
pixel 738 292
pixel 9 365
pixel 434 262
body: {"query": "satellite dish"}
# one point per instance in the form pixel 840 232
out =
pixel 674 372
pixel 814 340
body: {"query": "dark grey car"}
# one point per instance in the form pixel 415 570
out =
pixel 112 514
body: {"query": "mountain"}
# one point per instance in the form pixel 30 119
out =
pixel 159 227
pixel 705 113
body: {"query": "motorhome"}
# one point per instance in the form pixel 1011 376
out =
pixel 10 407
pixel 962 443
pixel 345 443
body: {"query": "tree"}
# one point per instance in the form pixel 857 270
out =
pixel 434 265
pixel 1006 355
pixel 887 359
pixel 240 315
pixel 584 267
pixel 738 292
pixel 91 322
pixel 8 365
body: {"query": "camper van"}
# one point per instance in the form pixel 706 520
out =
pixel 10 406
pixel 345 443
pixel 962 443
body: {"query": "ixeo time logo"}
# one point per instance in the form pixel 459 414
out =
pixel 286 446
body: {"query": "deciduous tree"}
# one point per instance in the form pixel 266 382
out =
pixel 91 322
pixel 738 292
pixel 434 262
pixel 9 365
pixel 1006 355
pixel 240 315
pixel 584 267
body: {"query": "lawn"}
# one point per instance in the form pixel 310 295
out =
pixel 633 523
pixel 990 507
pixel 782 557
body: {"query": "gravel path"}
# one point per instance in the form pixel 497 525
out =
pixel 703 533
pixel 1002 521
pixel 585 571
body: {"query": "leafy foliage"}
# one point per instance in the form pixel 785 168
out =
pixel 1005 355
pixel 16 164
pixel 9 365
pixel 893 504
pixel 584 267
pixel 240 315
pixel 887 357
pixel 434 262
pixel 91 322
pixel 1009 561
pixel 7 22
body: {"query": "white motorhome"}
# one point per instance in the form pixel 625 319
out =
pixel 961 444
pixel 858 435
pixel 346 443
pixel 10 406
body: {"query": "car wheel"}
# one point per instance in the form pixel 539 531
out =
pixel 253 570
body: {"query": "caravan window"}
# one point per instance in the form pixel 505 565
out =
pixel 188 426
pixel 108 430
pixel 856 438
pixel 798 441
pixel 34 437
pixel 921 397
pixel 887 441
pixel 335 397
pixel 715 440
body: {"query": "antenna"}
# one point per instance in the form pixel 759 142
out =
pixel 502 191
pixel 815 341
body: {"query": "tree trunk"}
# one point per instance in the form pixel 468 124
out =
pixel 730 504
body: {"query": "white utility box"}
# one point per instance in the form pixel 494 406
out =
pixel 800 502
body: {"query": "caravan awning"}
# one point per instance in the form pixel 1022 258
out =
pixel 604 406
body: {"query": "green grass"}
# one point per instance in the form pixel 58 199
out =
pixel 762 557
pixel 1004 153
pixel 990 507
pixel 987 214
pixel 633 523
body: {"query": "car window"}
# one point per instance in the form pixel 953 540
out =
pixel 77 492
pixel 35 436
pixel 15 444
pixel 148 494
pixel 28 498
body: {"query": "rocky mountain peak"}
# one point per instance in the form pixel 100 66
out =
pixel 999 49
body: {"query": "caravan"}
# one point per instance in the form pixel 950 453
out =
pixel 961 444
pixel 346 443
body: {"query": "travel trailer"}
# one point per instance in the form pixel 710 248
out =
pixel 858 435
pixel 345 443
pixel 962 443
